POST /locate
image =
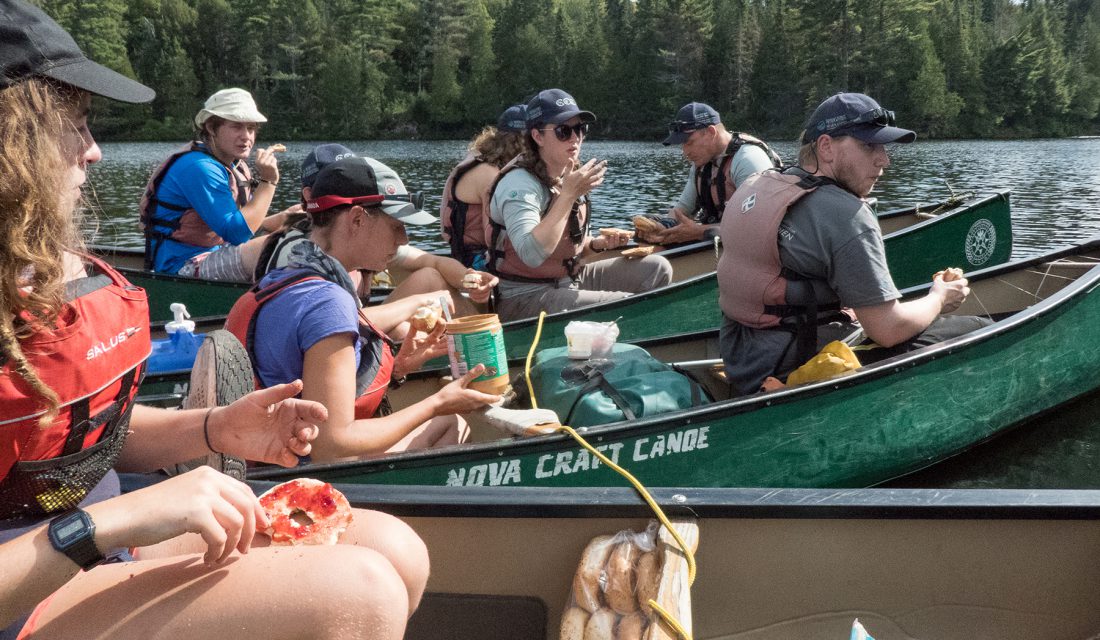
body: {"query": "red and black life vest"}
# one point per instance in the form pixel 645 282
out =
pixel 94 361
pixel 463 223
pixel 376 353
pixel 189 228
pixel 713 184
pixel 563 261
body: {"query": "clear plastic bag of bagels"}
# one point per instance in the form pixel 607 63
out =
pixel 617 575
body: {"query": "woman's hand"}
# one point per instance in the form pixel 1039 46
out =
pixel 269 425
pixel 418 348
pixel 222 510
pixel 583 179
pixel 479 285
pixel 457 398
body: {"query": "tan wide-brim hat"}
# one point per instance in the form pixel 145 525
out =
pixel 232 104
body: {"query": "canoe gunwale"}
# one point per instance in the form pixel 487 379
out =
pixel 710 502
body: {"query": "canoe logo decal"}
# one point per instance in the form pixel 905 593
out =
pixel 980 242
pixel 570 461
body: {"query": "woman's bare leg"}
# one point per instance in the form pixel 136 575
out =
pixel 330 592
pixel 374 530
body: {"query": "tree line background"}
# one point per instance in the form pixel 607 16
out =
pixel 354 69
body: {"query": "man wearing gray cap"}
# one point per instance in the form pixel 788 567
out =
pixel 802 240
pixel 720 161
pixel 202 205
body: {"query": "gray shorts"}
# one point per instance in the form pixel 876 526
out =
pixel 224 264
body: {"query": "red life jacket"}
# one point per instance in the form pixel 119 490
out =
pixel 463 223
pixel 93 360
pixel 713 183
pixel 189 228
pixel 375 355
pixel 563 260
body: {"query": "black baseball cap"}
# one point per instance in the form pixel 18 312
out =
pixel 856 115
pixel 554 106
pixel 691 117
pixel 322 156
pixel 513 119
pixel 355 181
pixel 32 44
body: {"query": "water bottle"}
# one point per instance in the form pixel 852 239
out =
pixel 177 351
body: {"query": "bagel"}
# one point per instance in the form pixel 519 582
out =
pixel 645 224
pixel 601 626
pixel 471 281
pixel 631 627
pixel 647 578
pixel 278 147
pixel 305 511
pixel 425 318
pixel 573 622
pixel 949 274
pixel 588 582
pixel 638 252
pixel 614 231
pixel 619 590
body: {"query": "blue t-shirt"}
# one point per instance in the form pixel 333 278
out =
pixel 198 181
pixel 298 318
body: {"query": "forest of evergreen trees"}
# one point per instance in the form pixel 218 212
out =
pixel 354 69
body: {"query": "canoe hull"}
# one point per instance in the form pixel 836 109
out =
pixel 883 421
pixel 785 563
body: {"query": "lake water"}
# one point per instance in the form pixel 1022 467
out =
pixel 1055 201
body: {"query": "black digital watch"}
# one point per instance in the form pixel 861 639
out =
pixel 73 534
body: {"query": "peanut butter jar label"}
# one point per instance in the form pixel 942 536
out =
pixel 480 347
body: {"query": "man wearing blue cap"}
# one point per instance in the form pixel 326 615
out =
pixel 803 240
pixel 720 161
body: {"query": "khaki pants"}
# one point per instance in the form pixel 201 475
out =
pixel 600 281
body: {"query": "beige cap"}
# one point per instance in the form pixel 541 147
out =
pixel 232 104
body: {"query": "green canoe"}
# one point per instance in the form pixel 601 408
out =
pixel 966 233
pixel 878 423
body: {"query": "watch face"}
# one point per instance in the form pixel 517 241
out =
pixel 68 529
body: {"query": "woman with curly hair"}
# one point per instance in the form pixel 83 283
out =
pixel 74 336
pixel 540 214
pixel 466 192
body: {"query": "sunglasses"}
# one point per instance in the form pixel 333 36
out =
pixel 415 199
pixel 564 132
pixel 684 126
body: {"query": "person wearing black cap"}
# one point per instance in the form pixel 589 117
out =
pixel 466 190
pixel 424 273
pixel 202 206
pixel 540 214
pixel 314 328
pixel 720 161
pixel 803 240
pixel 74 336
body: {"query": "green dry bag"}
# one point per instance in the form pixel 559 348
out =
pixel 630 384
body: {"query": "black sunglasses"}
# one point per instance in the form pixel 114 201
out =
pixel 565 132
pixel 879 117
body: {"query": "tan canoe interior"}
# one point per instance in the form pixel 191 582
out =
pixel 787 578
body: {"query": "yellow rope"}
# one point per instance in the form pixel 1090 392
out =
pixel 664 615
